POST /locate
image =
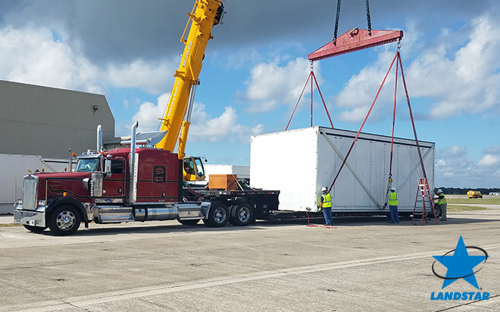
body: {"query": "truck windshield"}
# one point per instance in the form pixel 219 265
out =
pixel 87 165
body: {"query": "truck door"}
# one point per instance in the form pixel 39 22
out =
pixel 114 185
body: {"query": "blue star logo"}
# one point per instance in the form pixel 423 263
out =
pixel 460 265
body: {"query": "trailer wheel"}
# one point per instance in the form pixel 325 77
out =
pixel 218 215
pixel 243 214
pixel 64 220
pixel 188 222
pixel 437 209
pixel 34 229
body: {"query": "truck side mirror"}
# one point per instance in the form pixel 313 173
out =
pixel 107 168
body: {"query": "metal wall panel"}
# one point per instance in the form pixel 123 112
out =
pixel 45 121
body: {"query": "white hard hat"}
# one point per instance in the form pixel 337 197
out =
pixel 393 189
pixel 440 191
pixel 324 189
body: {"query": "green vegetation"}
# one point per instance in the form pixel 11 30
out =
pixel 493 200
pixel 455 208
pixel 461 203
pixel 9 224
pixel 463 191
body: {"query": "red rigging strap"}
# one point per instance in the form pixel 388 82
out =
pixel 354 40
pixel 400 65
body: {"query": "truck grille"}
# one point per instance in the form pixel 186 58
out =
pixel 30 190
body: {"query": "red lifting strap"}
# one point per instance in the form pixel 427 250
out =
pixel 354 40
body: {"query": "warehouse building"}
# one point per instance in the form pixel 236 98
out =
pixel 44 121
pixel 38 127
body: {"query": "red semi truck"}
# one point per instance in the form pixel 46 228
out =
pixel 129 184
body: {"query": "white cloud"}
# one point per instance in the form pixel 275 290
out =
pixel 153 77
pixel 359 93
pixel 467 82
pixel 489 160
pixel 271 85
pixel 360 90
pixel 461 82
pixel 203 126
pixel 148 114
pixel 31 55
pixel 456 169
pixel 222 128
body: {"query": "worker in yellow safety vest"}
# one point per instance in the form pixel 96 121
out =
pixel 326 206
pixel 441 204
pixel 392 201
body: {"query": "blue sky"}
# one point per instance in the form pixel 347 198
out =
pixel 256 66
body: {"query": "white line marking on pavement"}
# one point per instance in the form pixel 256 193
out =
pixel 85 301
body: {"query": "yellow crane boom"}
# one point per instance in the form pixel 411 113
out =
pixel 204 15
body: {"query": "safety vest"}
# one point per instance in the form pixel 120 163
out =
pixel 441 201
pixel 327 200
pixel 392 199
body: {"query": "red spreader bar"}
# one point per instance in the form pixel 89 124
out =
pixel 354 40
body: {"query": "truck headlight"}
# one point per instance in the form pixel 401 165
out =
pixel 42 203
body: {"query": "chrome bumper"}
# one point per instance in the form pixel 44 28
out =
pixel 29 217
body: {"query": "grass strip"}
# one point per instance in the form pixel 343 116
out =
pixel 455 208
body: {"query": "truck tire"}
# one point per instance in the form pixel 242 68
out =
pixel 34 229
pixel 243 215
pixel 188 222
pixel 64 220
pixel 218 215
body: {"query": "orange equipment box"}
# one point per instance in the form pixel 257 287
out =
pixel 226 182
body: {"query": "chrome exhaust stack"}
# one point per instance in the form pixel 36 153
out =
pixel 134 165
pixel 99 139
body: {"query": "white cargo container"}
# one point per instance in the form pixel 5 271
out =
pixel 299 163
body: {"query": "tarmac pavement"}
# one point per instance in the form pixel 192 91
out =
pixel 6 218
pixel 360 264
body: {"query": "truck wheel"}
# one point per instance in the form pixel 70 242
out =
pixel 218 215
pixel 188 222
pixel 437 209
pixel 243 214
pixel 64 220
pixel 34 229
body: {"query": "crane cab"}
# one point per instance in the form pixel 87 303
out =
pixel 193 169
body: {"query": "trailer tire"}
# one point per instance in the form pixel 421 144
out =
pixel 243 214
pixel 405 215
pixel 437 209
pixel 34 229
pixel 64 220
pixel 188 222
pixel 218 215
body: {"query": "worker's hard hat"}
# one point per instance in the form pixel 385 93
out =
pixel 324 189
pixel 393 189
pixel 440 191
